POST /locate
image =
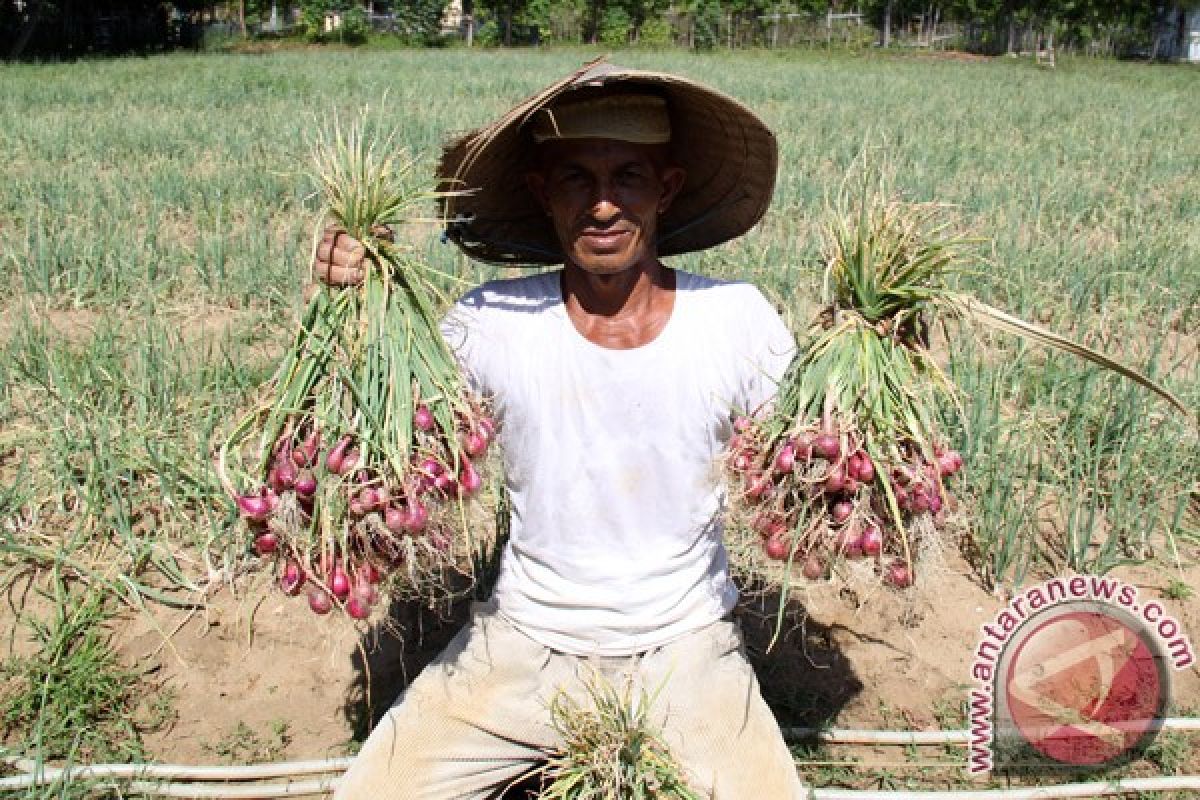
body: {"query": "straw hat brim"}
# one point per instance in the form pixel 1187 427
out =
pixel 730 157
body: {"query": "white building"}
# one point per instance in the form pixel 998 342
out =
pixel 452 17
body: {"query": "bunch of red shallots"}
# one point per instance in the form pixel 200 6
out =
pixel 352 476
pixel 815 495
pixel 850 461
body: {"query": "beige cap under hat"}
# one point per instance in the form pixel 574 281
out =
pixel 728 154
pixel 638 118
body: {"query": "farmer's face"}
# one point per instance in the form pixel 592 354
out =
pixel 604 198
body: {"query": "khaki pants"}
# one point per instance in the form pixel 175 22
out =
pixel 477 718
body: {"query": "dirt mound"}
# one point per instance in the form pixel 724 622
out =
pixel 258 678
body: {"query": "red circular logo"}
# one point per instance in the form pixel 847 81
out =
pixel 1083 685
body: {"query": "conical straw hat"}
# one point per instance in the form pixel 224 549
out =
pixel 729 154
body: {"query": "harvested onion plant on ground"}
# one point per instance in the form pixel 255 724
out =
pixel 611 749
pixel 849 463
pixel 351 476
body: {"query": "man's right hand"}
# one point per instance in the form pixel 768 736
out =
pixel 339 259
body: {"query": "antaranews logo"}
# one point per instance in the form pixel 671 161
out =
pixel 1073 672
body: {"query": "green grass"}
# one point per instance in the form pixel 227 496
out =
pixel 71 698
pixel 155 224
pixel 243 745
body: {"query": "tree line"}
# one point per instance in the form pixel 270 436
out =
pixel 74 27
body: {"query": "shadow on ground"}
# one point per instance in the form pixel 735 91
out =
pixel 803 675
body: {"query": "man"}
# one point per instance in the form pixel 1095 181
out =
pixel 614 382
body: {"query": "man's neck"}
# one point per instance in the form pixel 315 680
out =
pixel 623 310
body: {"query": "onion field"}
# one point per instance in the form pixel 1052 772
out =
pixel 156 218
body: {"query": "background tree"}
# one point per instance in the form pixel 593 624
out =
pixel 72 28
pixel 554 20
pixel 707 17
pixel 641 11
pixel 67 28
pixel 505 13
pixel 25 21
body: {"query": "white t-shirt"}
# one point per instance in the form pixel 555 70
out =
pixel 610 456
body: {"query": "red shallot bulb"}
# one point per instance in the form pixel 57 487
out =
pixel 897 574
pixel 758 485
pixel 803 445
pixel 768 525
pixel 474 444
pixel 306 483
pixel 305 455
pixel 841 511
pixel 776 548
pixel 395 519
pixel 871 540
pixel 291 578
pixel 445 483
pixel 866 469
pixel 785 459
pixel 357 608
pixel 369 573
pixel 835 481
pixel 259 506
pixel 469 479
pixel 335 459
pixel 319 600
pixel 339 582
pixel 418 516
pixel 266 543
pixel 827 446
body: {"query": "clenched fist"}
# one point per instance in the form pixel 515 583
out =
pixel 339 257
